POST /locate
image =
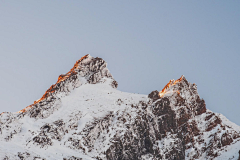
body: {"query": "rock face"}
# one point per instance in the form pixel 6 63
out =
pixel 84 116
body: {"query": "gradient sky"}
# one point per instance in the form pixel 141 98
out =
pixel 145 43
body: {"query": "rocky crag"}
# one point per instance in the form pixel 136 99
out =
pixel 84 116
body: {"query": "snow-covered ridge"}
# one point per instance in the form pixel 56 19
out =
pixel 84 116
pixel 85 70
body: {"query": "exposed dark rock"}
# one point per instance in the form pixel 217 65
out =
pixel 239 155
pixel 154 95
pixel 213 124
pixel 72 158
pixel 201 106
pixel 114 84
pixel 226 139
pixel 42 140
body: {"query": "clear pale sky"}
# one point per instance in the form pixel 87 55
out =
pixel 145 43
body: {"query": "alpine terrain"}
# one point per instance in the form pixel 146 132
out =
pixel 84 117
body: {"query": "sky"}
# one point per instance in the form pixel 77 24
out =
pixel 145 43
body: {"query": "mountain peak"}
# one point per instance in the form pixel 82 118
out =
pixel 86 70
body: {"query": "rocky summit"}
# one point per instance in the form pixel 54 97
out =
pixel 84 117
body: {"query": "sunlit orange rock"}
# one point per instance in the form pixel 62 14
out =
pixel 61 78
pixel 170 83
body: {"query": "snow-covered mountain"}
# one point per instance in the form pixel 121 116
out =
pixel 84 116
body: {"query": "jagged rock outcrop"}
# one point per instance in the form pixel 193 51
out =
pixel 83 116
pixel 86 70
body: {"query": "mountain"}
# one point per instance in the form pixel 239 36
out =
pixel 84 116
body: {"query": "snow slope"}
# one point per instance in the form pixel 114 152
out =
pixel 81 106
